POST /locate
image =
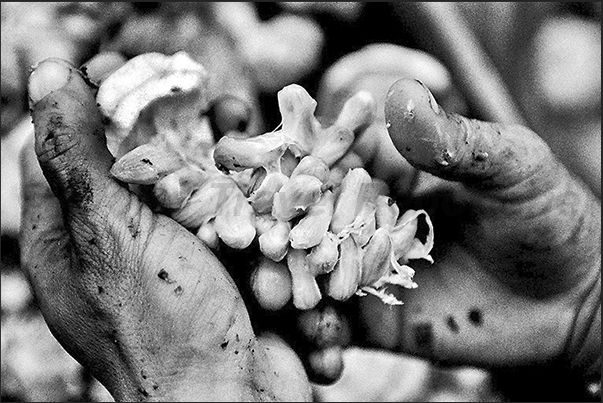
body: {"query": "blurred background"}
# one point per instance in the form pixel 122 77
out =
pixel 538 64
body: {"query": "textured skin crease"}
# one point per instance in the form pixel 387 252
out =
pixel 90 214
pixel 581 342
pixel 530 233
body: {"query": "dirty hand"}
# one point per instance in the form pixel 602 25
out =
pixel 517 273
pixel 132 295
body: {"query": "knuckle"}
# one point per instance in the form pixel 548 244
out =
pixel 56 142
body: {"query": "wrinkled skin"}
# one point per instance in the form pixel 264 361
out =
pixel 149 309
pixel 517 274
pixel 132 295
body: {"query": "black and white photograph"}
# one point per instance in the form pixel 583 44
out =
pixel 300 201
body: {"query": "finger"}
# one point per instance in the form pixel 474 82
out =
pixel 99 212
pixel 285 364
pixel 43 238
pixel 529 208
pixel 374 69
pixel 69 135
pixel 475 321
pixel 486 155
pixel 102 66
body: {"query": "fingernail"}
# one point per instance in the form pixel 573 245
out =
pixel 48 76
pixel 432 102
pixel 101 66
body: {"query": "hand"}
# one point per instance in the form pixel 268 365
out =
pixel 517 274
pixel 130 294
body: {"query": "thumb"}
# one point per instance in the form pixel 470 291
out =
pixel 69 135
pixel 486 155
pixel 528 205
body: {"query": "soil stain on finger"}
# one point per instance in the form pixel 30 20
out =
pixel 54 139
pixel 164 275
pixel 143 392
pixel 55 122
pixel 452 324
pixel 80 191
pixel 476 317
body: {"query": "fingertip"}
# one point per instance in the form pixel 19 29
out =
pixel 58 79
pixel 417 125
pixel 69 132
pixel 102 66
pixel 477 153
pixel 60 96
pixel 48 76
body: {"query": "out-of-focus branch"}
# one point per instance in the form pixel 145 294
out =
pixel 441 30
